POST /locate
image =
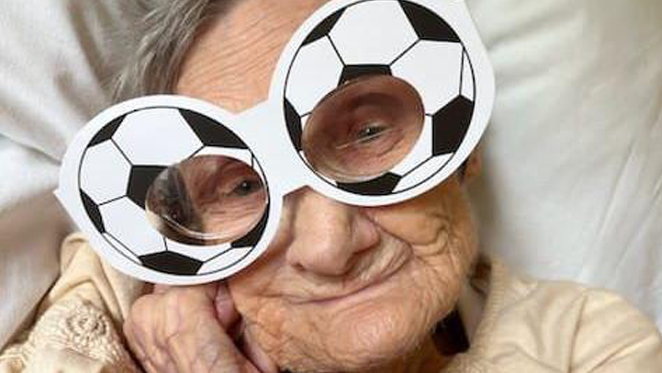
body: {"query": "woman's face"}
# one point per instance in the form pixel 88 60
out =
pixel 340 287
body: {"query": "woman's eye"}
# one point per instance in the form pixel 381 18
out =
pixel 363 129
pixel 246 188
pixel 367 134
pixel 371 132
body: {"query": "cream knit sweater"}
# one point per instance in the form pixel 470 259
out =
pixel 515 324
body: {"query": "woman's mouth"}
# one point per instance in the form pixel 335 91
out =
pixel 373 279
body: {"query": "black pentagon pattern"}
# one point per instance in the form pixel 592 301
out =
pixel 210 132
pixel 93 212
pixel 171 263
pixel 107 132
pixel 450 125
pixel 323 28
pixel 380 186
pixel 253 237
pixel 140 180
pixel 293 120
pixel 351 72
pixel 427 24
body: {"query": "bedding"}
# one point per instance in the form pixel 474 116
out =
pixel 31 227
pixel 572 184
pixel 55 66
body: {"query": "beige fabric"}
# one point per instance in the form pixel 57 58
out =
pixel 544 327
pixel 517 324
pixel 77 322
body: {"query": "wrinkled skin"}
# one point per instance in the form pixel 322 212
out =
pixel 340 288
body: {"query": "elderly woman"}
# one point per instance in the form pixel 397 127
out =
pixel 341 288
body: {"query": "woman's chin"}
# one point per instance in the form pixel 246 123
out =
pixel 368 329
pixel 375 335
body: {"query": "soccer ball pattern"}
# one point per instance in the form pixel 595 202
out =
pixel 116 205
pixel 388 37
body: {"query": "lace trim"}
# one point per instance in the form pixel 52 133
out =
pixel 77 325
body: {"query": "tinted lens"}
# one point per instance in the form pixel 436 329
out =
pixel 207 200
pixel 364 128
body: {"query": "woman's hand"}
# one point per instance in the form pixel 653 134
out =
pixel 192 329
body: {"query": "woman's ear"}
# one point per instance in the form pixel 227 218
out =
pixel 472 166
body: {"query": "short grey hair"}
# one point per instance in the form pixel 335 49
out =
pixel 164 33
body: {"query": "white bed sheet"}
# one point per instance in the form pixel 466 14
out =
pixel 573 176
pixel 55 62
pixel 31 227
pixel 573 173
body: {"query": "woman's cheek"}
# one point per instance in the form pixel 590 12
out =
pixel 421 220
pixel 381 330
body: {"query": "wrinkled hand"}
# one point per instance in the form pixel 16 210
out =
pixel 193 329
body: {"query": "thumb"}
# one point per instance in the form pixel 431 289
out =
pixel 195 339
pixel 232 322
pixel 225 309
pixel 253 352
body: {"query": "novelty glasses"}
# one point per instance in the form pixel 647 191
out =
pixel 373 102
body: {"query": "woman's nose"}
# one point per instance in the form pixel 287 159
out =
pixel 328 235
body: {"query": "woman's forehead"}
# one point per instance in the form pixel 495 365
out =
pixel 232 61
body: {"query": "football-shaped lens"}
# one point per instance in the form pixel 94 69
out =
pixel 363 129
pixel 206 200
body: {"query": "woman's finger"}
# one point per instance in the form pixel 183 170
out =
pixel 140 330
pixel 134 345
pixel 188 329
pixel 161 289
pixel 235 327
pixel 202 345
pixel 226 312
pixel 138 348
pixel 256 355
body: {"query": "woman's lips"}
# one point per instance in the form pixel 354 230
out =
pixel 360 292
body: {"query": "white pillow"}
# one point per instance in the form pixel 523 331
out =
pixel 572 184
pixel 32 226
pixel 56 58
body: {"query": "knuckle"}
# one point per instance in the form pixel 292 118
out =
pixel 143 307
pixel 174 297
